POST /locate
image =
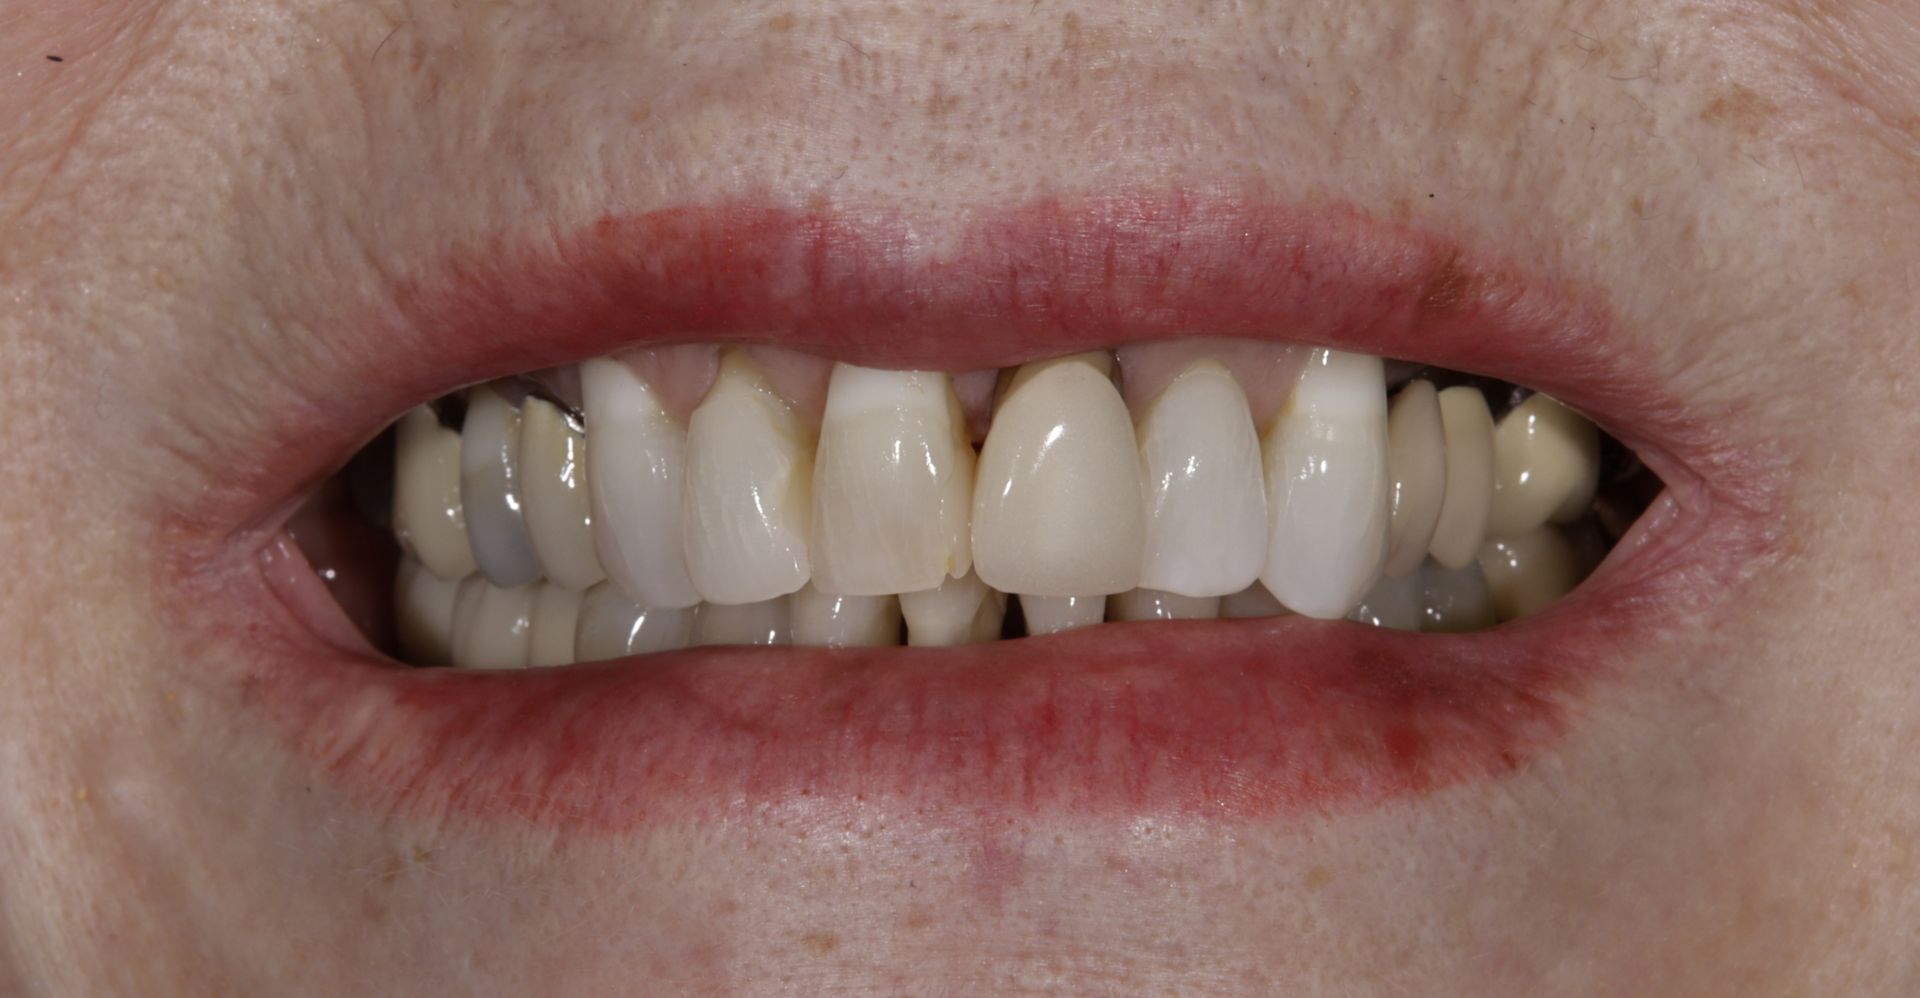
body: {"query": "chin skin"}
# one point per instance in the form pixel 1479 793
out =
pixel 214 211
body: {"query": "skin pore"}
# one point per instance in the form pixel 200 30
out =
pixel 209 211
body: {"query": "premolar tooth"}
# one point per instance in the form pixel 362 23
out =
pixel 427 516
pixel 1417 464
pixel 492 625
pixel 1253 601
pixel 490 490
pixel 893 483
pixel 1057 505
pixel 559 514
pixel 1530 571
pixel 1053 614
pixel 1546 464
pixel 1454 600
pixel 556 618
pixel 1394 603
pixel 1463 509
pixel 749 490
pixel 767 622
pixel 1153 604
pixel 1326 464
pixel 956 612
pixel 1206 518
pixel 639 458
pixel 423 614
pixel 611 626
pixel 844 621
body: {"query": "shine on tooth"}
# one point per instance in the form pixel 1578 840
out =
pixel 1528 572
pixel 749 490
pixel 1454 600
pixel 1417 466
pixel 428 519
pixel 492 626
pixel 1153 604
pixel 1546 465
pixel 423 614
pixel 1394 603
pixel 1054 614
pixel 489 490
pixel 1206 517
pixel 768 622
pixel 830 621
pixel 556 617
pixel 639 458
pixel 1469 495
pixel 559 514
pixel 612 626
pixel 956 612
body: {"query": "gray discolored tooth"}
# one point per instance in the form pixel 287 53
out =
pixel 423 614
pixel 611 626
pixel 428 519
pixel 1454 600
pixel 490 490
pixel 768 622
pixel 1394 603
pixel 556 508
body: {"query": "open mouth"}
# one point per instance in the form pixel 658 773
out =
pixel 1131 505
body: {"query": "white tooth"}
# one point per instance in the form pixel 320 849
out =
pixel 490 490
pixel 1253 601
pixel 1546 464
pixel 1326 461
pixel 1053 614
pixel 1152 604
pixel 559 514
pixel 611 626
pixel 1463 509
pixel 844 621
pixel 492 626
pixel 1394 603
pixel 892 485
pixel 639 458
pixel 1454 600
pixel 427 517
pixel 1417 466
pixel 749 490
pixel 956 612
pixel 556 618
pixel 1528 572
pixel 423 614
pixel 1057 504
pixel 1206 532
pixel 764 623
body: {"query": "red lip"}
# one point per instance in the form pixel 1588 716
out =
pixel 1232 719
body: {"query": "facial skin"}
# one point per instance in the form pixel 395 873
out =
pixel 203 205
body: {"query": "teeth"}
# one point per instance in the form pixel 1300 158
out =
pixel 639 458
pixel 844 621
pixel 490 493
pixel 611 626
pixel 1053 614
pixel 1546 464
pixel 423 614
pixel 1454 600
pixel 1057 505
pixel 427 516
pixel 749 490
pixel 893 483
pixel 1528 572
pixel 1253 601
pixel 559 514
pixel 556 616
pixel 957 612
pixel 1394 603
pixel 1469 494
pixel 762 623
pixel 1206 530
pixel 1417 463
pixel 1153 604
pixel 491 625
pixel 1326 463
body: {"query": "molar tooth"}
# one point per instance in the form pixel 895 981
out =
pixel 1057 504
pixel 611 626
pixel 1394 603
pixel 1454 600
pixel 1417 464
pixel 1546 464
pixel 1326 463
pixel 844 621
pixel 490 490
pixel 427 516
pixel 1153 604
pixel 556 618
pixel 749 490
pixel 956 612
pixel 893 483
pixel 423 613
pixel 559 515
pixel 767 622
pixel 1463 509
pixel 639 458
pixel 1254 601
pixel 1527 572
pixel 1206 529
pixel 492 625
pixel 1053 614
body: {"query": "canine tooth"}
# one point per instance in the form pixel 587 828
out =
pixel 1053 614
pixel 1394 603
pixel 1326 463
pixel 423 613
pixel 1153 604
pixel 749 490
pixel 639 457
pixel 1546 464
pixel 767 622
pixel 956 612
pixel 1253 601
pixel 1454 600
pixel 559 515
pixel 556 618
pixel 844 621
pixel 1057 505
pixel 1206 530
pixel 892 485
pixel 611 626
pixel 492 625
pixel 1530 571
pixel 490 490
pixel 427 516
pixel 1463 509
pixel 1417 466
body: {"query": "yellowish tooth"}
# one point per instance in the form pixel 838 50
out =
pixel 1153 604
pixel 1463 509
pixel 829 621
pixel 1546 465
pixel 611 626
pixel 638 453
pixel 1053 614
pixel 1417 462
pixel 423 614
pixel 427 517
pixel 768 622
pixel 749 494
pixel 956 612
pixel 556 617
pixel 492 627
pixel 558 508
pixel 1528 572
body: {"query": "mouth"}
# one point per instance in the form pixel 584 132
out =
pixel 1139 505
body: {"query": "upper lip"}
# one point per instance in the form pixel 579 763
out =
pixel 1235 718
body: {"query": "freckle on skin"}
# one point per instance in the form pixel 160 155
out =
pixel 1740 109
